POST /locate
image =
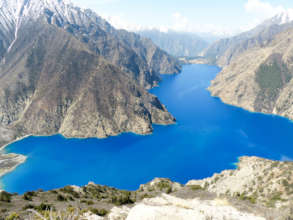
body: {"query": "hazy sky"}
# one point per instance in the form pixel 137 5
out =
pixel 218 16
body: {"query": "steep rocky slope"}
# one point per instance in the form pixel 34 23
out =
pixel 56 84
pixel 259 181
pixel 257 189
pixel 260 79
pixel 135 55
pixel 65 70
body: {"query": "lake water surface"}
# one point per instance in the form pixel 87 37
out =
pixel 208 138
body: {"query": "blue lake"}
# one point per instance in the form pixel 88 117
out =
pixel 209 137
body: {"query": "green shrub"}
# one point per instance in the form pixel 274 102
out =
pixel 163 185
pixel 88 202
pixel 54 191
pixel 29 206
pixel 195 187
pixel 99 212
pixel 285 183
pixel 272 77
pixel 29 196
pixel 145 195
pixel 5 196
pixel 61 198
pixel 12 216
pixel 70 190
pixel 251 198
pixel 122 199
pixel 44 207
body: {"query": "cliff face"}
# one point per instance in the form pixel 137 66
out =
pixel 260 79
pixel 65 70
pixel 56 84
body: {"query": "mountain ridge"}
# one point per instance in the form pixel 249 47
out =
pixel 223 51
pixel 66 70
pixel 259 79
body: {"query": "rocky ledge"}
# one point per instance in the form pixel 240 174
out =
pixel 257 189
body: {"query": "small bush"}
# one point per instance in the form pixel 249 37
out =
pixel 243 196
pixel 285 183
pixel 29 206
pixel 163 185
pixel 122 199
pixel 12 216
pixel 89 202
pixel 43 207
pixel 195 187
pixel 99 212
pixel 61 198
pixel 26 197
pixel 70 190
pixel 145 195
pixel 5 196
pixel 169 190
pixel 29 196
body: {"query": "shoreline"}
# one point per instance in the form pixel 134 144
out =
pixel 248 110
pixel 10 161
pixel 14 141
pixel 19 159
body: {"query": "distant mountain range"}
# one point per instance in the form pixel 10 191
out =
pixel 257 67
pixel 66 70
pixel 223 51
pixel 179 44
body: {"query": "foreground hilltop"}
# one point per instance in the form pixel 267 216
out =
pixel 65 70
pixel 258 189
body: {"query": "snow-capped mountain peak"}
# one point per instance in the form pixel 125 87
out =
pixel 33 8
pixel 283 17
pixel 14 12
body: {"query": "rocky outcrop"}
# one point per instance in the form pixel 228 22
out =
pixel 65 70
pixel 256 180
pixel 174 208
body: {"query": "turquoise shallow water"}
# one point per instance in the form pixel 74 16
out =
pixel 208 138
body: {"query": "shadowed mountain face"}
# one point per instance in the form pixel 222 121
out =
pixel 66 70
